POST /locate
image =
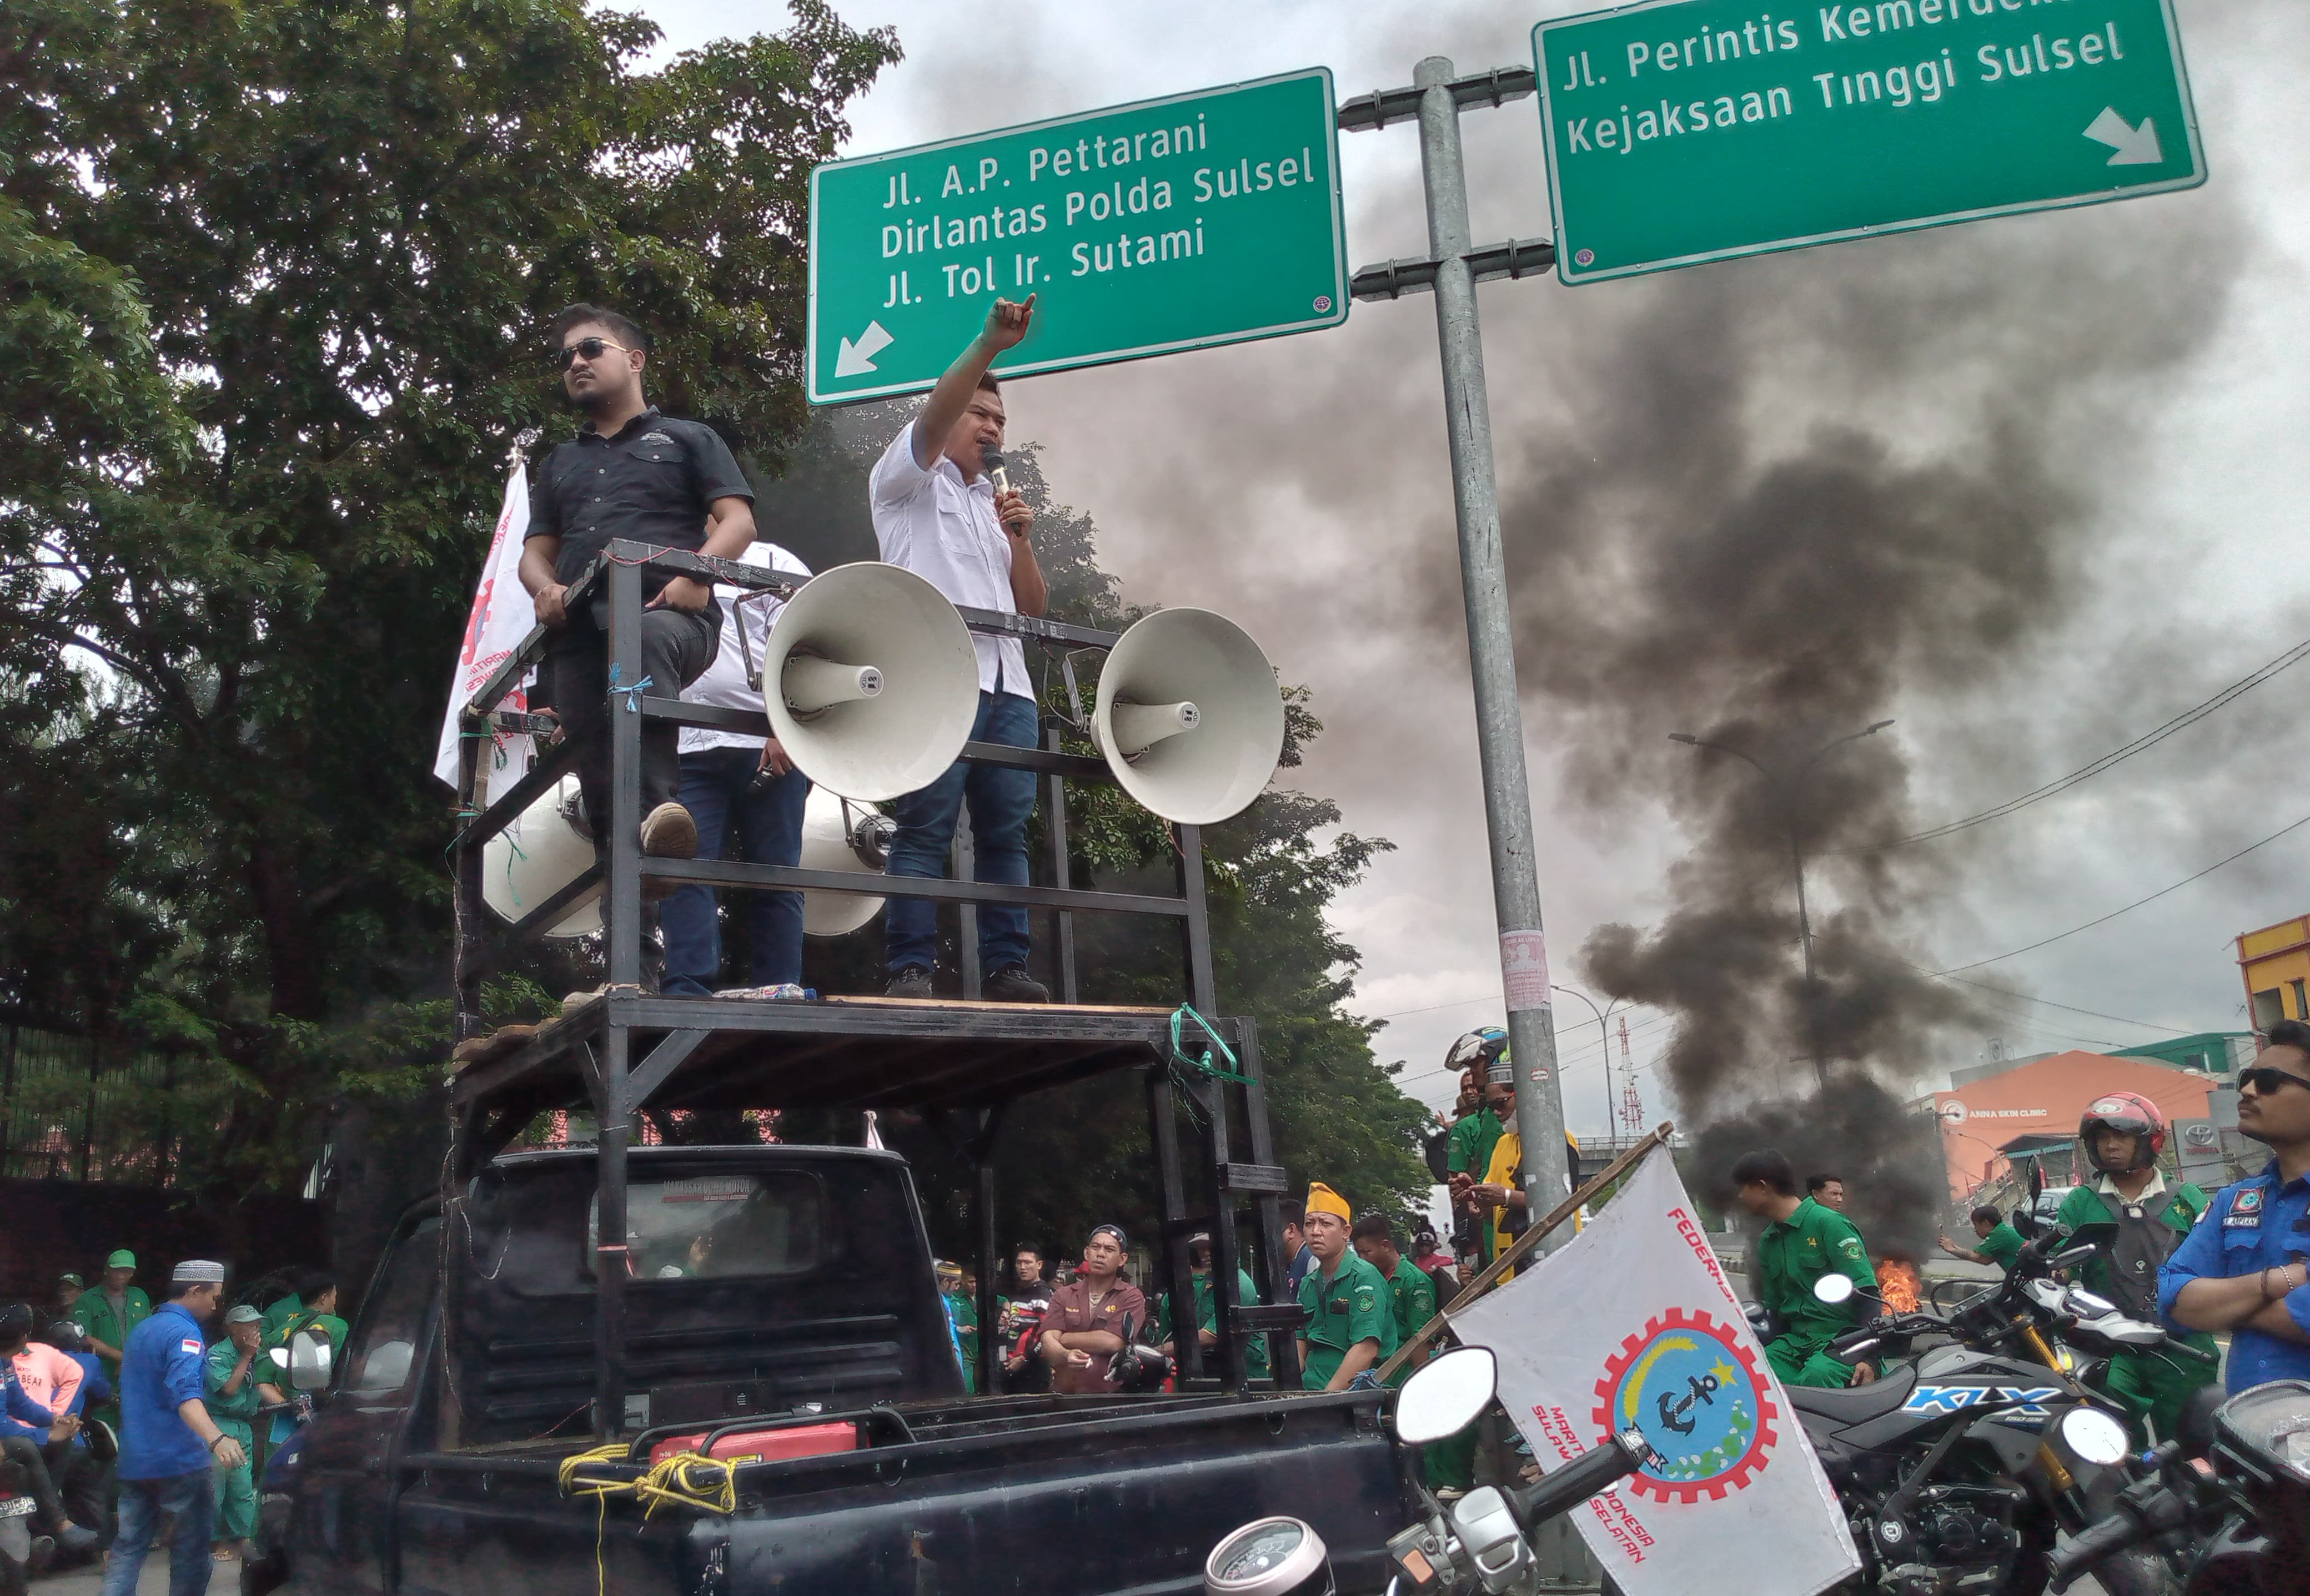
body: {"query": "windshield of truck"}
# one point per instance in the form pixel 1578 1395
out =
pixel 718 1226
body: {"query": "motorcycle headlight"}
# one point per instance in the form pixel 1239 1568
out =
pixel 1270 1556
pixel 2269 1425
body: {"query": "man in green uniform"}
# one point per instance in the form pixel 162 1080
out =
pixel 1411 1295
pixel 109 1313
pixel 2001 1244
pixel 1475 1131
pixel 1802 1242
pixel 319 1315
pixel 1207 1314
pixel 2122 1135
pixel 1351 1326
pixel 964 1314
pixel 235 1393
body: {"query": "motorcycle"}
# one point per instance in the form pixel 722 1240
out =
pixel 2237 1519
pixel 18 1543
pixel 1959 1468
pixel 1479 1543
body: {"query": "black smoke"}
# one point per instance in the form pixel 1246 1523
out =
pixel 1789 497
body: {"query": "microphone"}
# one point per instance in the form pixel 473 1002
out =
pixel 991 461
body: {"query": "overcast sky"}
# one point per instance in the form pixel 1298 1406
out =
pixel 1302 487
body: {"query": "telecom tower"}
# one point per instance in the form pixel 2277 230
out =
pixel 1632 1107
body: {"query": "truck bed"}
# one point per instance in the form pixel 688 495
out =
pixel 1085 1496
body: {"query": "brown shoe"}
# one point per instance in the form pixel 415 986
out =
pixel 669 833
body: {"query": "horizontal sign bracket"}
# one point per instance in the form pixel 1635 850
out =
pixel 1392 279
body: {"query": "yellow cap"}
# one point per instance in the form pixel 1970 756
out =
pixel 1323 1199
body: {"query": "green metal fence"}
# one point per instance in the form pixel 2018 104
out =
pixel 82 1108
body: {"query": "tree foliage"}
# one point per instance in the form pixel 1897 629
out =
pixel 276 278
pixel 276 274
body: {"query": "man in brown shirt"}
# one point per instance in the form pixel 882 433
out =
pixel 1082 1329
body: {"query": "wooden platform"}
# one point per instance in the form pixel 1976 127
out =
pixel 838 1052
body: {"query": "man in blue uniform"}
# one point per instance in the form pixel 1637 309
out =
pixel 2246 1266
pixel 169 1445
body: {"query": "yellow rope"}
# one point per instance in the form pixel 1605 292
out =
pixel 679 1479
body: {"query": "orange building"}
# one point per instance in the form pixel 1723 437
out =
pixel 2047 1098
pixel 2275 962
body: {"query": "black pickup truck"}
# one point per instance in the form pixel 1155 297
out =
pixel 552 1322
pixel 783 1296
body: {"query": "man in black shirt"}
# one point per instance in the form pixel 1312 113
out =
pixel 631 472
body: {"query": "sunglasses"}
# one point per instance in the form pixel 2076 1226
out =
pixel 2265 1079
pixel 592 349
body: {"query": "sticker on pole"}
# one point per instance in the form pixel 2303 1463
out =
pixel 1524 970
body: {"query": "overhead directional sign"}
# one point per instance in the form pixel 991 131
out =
pixel 1171 224
pixel 1683 130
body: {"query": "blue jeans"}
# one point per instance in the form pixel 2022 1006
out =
pixel 713 790
pixel 1000 800
pixel 192 1497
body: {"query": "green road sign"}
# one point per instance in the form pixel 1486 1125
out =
pixel 1206 217
pixel 1683 130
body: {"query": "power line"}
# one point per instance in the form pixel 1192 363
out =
pixel 2129 909
pixel 2190 716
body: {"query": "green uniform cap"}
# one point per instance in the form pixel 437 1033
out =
pixel 123 1258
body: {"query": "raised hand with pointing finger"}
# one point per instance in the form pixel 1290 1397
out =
pixel 1006 323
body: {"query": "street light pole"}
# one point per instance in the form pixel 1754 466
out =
pixel 1602 1015
pixel 1784 795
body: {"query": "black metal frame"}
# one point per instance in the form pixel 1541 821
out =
pixel 960 1063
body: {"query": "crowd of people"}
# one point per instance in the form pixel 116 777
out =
pixel 127 1423
pixel 2237 1261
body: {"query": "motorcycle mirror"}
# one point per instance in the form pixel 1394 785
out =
pixel 2025 1221
pixel 309 1361
pixel 1834 1289
pixel 1445 1395
pixel 2099 1233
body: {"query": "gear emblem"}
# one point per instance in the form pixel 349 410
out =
pixel 1692 1386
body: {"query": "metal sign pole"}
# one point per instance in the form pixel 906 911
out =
pixel 1491 649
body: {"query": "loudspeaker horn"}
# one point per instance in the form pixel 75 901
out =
pixel 839 835
pixel 871 680
pixel 1188 715
pixel 541 853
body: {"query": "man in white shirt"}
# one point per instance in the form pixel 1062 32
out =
pixel 938 515
pixel 731 780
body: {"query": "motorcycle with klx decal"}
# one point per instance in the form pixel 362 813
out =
pixel 1960 1465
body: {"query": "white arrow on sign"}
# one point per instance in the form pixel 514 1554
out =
pixel 2135 146
pixel 856 360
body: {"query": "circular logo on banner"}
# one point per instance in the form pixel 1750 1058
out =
pixel 1694 1389
pixel 1953 1113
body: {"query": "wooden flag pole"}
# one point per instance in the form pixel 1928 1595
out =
pixel 1657 1137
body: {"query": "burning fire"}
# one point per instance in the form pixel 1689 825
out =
pixel 1898 1284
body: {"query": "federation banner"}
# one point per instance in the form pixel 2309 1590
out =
pixel 1633 1324
pixel 501 616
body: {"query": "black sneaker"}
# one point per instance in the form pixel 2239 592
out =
pixel 1012 985
pixel 909 981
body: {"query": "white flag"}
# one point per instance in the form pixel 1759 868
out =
pixel 1633 1324
pixel 502 617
